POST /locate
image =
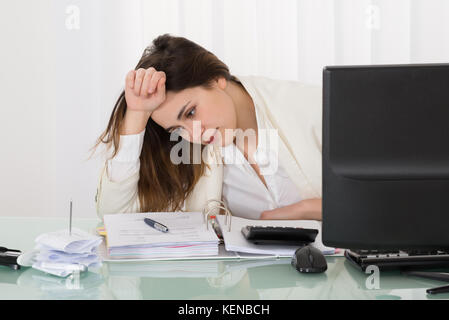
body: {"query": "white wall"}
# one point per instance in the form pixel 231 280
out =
pixel 58 86
pixel 58 83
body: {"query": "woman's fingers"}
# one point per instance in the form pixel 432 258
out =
pixel 140 74
pixel 138 85
pixel 145 82
pixel 161 85
pixel 157 77
pixel 149 73
pixel 145 88
pixel 130 79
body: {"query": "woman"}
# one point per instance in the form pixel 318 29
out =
pixel 179 89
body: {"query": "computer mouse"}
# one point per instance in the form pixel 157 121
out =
pixel 309 259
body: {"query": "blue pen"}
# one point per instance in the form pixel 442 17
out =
pixel 156 225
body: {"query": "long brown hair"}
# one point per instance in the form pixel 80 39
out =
pixel 163 185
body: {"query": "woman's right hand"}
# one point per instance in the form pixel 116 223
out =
pixel 145 89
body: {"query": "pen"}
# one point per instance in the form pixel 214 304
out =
pixel 156 225
pixel 442 289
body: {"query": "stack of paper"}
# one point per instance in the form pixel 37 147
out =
pixel 128 236
pixel 235 241
pixel 60 253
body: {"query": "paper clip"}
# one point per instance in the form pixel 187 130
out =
pixel 207 212
pixel 206 209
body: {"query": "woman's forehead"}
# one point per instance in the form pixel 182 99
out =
pixel 175 101
pixel 167 112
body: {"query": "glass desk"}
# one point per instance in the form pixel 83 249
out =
pixel 202 279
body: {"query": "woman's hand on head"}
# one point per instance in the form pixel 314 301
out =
pixel 145 89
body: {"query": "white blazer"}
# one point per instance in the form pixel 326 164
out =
pixel 291 107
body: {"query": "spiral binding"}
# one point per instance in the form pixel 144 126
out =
pixel 207 211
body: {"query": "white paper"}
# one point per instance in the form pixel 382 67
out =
pixel 78 241
pixel 59 252
pixel 128 236
pixel 62 257
pixel 235 241
pixel 129 229
pixel 223 254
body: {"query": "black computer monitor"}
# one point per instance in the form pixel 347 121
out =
pixel 386 156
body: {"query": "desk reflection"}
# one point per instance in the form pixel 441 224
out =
pixel 214 279
pixel 206 279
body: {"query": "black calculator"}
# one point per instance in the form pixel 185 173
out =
pixel 279 235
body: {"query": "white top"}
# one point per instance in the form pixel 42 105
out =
pixel 243 192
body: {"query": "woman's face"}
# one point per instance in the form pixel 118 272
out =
pixel 198 114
